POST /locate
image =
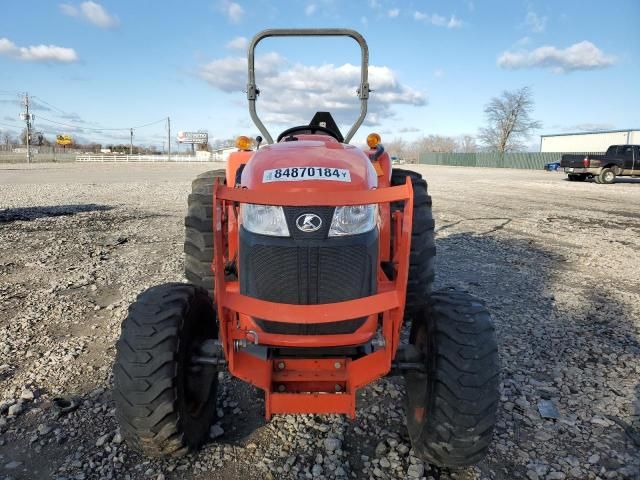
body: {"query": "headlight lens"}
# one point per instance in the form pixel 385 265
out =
pixel 353 219
pixel 264 219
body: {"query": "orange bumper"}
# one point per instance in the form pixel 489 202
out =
pixel 310 385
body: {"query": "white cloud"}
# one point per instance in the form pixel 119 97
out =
pixel 230 74
pixel 437 20
pixel 454 22
pixel 438 73
pixel 69 9
pixel 310 9
pixel 96 14
pixel 579 56
pixel 92 12
pixel 535 22
pixel 38 53
pixel 394 12
pixel 291 93
pixel 232 10
pixel 409 130
pixel 73 117
pixel 238 43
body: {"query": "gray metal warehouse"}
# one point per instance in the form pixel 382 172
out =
pixel 597 141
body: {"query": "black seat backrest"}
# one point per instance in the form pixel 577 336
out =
pixel 324 119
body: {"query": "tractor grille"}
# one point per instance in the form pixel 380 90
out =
pixel 308 275
pixel 308 272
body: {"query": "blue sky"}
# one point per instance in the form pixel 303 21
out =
pixel 434 64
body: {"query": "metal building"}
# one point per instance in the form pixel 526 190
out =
pixel 588 141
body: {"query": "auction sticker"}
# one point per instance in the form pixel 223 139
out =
pixel 296 174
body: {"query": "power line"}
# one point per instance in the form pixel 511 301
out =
pixel 94 128
pixel 151 123
pixel 99 129
pixel 52 106
pixel 40 99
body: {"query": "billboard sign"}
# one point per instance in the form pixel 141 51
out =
pixel 193 137
pixel 64 139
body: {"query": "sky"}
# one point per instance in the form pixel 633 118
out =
pixel 94 70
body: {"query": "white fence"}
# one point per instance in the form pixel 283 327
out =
pixel 142 158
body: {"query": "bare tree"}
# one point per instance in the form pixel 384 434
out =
pixel 396 148
pixel 435 143
pixel 6 138
pixel 509 121
pixel 440 143
pixel 467 144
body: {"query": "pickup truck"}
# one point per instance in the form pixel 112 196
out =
pixel 620 160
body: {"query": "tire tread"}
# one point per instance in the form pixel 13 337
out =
pixel 462 378
pixel 423 247
pixel 146 371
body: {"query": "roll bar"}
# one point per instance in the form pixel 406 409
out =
pixel 363 90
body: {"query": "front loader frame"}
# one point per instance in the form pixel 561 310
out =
pixel 310 384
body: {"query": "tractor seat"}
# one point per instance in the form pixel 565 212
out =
pixel 322 122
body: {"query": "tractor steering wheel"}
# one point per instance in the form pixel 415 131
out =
pixel 308 128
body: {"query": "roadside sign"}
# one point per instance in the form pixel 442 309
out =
pixel 193 137
pixel 64 139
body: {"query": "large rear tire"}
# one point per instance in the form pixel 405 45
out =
pixel 198 243
pixel 164 404
pixel 607 176
pixel 451 408
pixel 423 247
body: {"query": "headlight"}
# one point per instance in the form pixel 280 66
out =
pixel 264 219
pixel 353 219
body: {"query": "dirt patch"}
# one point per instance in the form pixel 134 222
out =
pixel 556 268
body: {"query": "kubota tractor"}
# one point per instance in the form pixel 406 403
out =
pixel 304 257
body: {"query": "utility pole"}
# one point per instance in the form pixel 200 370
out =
pixel 131 143
pixel 169 136
pixel 26 116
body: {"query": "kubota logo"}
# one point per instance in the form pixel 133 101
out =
pixel 308 222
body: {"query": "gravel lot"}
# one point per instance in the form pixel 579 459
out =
pixel 558 263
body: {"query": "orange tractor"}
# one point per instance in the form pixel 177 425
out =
pixel 305 257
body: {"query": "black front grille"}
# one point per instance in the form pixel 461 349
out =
pixel 308 272
pixel 307 275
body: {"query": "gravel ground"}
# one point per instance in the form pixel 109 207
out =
pixel 557 262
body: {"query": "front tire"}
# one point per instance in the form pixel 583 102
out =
pixel 451 409
pixel 423 247
pixel 165 405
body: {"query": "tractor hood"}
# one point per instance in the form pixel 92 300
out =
pixel 313 163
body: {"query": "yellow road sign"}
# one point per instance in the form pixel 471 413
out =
pixel 64 139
